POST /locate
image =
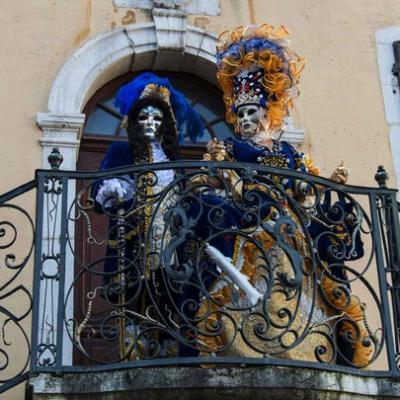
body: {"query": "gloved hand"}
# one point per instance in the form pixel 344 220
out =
pixel 113 190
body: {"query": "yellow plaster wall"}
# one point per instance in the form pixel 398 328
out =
pixel 38 36
pixel 340 107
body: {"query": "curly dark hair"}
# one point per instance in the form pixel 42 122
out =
pixel 167 134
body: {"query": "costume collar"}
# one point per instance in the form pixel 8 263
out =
pixel 276 145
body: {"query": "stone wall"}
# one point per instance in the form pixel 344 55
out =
pixel 190 383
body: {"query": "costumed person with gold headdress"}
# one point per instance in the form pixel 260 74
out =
pixel 156 117
pixel 272 295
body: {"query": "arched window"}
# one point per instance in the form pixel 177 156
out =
pixel 103 121
pixel 102 127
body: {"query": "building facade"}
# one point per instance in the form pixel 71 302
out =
pixel 62 58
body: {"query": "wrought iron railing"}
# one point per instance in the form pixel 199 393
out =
pixel 196 262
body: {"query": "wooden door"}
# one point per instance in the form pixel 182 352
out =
pixel 91 154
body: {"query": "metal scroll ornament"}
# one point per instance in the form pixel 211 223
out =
pixel 245 270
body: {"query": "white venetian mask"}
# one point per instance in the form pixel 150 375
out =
pixel 249 118
pixel 150 119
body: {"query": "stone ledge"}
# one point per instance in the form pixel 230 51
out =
pixel 189 383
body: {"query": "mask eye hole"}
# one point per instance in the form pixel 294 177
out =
pixel 142 117
pixel 252 111
pixel 158 118
pixel 240 114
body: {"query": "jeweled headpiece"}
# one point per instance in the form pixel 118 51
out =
pixel 248 87
pixel 154 90
pixel 148 84
pixel 256 66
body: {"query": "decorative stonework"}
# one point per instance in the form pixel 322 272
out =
pixel 170 27
pixel 109 55
pixel 196 7
pixel 168 44
pixel 170 4
pixel 116 52
pixel 292 134
pixel 62 132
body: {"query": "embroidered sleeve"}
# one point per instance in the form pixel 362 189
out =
pixel 304 163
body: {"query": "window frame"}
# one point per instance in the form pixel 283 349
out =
pixel 99 142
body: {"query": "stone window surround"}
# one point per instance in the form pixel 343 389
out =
pixel 101 59
pixel 113 53
pixel 390 89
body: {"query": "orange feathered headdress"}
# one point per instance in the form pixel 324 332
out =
pixel 255 66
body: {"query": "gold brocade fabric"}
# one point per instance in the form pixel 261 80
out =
pixel 354 324
pixel 151 227
pixel 304 314
pixel 278 328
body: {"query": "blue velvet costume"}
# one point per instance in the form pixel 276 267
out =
pixel 282 155
pixel 179 120
pixel 118 155
pixel 219 227
pixel 257 68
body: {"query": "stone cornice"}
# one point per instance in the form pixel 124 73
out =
pixel 73 121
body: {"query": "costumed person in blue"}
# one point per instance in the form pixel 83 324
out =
pixel 274 295
pixel 157 117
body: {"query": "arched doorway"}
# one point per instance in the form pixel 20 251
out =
pixel 103 121
pixel 104 58
pixel 102 127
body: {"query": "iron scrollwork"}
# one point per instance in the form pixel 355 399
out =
pixel 16 247
pixel 224 261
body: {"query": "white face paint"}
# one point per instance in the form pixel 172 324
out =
pixel 150 119
pixel 249 119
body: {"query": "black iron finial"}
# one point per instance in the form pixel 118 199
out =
pixel 381 177
pixel 55 158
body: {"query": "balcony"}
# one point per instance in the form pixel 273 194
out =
pixel 200 278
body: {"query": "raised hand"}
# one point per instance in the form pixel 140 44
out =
pixel 216 150
pixel 340 174
pixel 113 190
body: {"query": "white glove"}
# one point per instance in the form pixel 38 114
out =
pixel 113 189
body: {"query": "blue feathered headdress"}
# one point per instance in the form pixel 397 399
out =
pixel 187 119
pixel 253 44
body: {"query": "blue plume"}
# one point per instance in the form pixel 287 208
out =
pixel 247 45
pixel 187 119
